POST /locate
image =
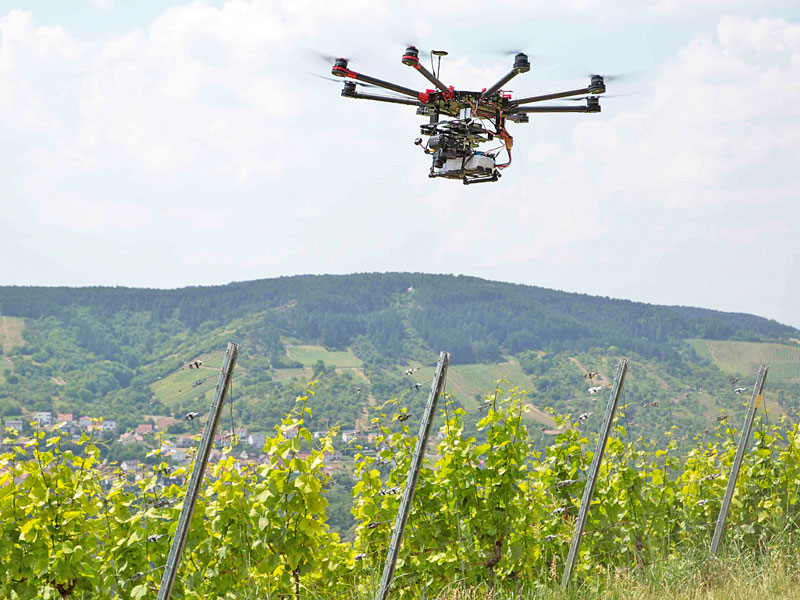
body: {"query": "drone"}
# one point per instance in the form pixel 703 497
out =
pixel 461 121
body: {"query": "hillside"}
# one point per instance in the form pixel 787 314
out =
pixel 124 353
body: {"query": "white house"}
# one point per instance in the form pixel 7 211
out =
pixel 44 418
pixel 349 436
pixel 109 425
pixel 257 440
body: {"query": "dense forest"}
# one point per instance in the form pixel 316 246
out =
pixel 474 318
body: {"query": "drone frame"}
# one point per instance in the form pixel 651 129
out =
pixel 491 102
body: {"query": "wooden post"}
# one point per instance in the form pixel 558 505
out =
pixel 755 401
pixel 594 471
pixel 413 475
pixel 196 480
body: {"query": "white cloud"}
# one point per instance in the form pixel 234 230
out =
pixel 204 122
pixel 673 6
pixel 706 164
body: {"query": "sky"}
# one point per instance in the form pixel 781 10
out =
pixel 162 144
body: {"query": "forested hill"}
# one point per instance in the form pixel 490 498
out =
pixel 475 319
pixel 123 353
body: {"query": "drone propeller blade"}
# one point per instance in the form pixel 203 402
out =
pixel 599 96
pixel 328 59
pixel 581 71
pixel 422 53
pixel 626 76
pixel 341 80
pixel 507 52
pixel 514 48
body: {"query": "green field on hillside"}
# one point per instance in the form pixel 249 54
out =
pixel 303 373
pixel 11 329
pixel 465 382
pixel 743 358
pixel 307 355
pixel 190 383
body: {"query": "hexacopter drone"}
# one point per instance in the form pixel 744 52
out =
pixel 453 143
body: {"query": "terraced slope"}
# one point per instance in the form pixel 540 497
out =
pixel 743 358
pixel 11 329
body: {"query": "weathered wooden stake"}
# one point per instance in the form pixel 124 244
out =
pixel 594 471
pixel 413 475
pixel 181 532
pixel 755 401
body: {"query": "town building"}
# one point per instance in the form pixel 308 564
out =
pixel 15 423
pixel 349 436
pixel 163 423
pixel 130 437
pixel 144 429
pixel 257 440
pixel 179 455
pixel 65 418
pixel 44 418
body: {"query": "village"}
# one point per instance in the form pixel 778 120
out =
pixel 175 448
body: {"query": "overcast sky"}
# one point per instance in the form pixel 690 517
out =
pixel 150 146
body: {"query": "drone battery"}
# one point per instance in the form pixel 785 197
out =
pixel 477 163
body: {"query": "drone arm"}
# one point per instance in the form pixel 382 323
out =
pixel 554 96
pixel 379 98
pixel 587 108
pixel 385 84
pixel 508 77
pixel 432 78
pixel 411 58
pixel 521 65
pixel 426 74
pixel 340 70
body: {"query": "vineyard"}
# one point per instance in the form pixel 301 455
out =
pixel 490 510
pixel 743 357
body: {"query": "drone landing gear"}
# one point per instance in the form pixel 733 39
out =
pixel 493 177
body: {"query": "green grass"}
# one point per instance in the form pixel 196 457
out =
pixel 743 358
pixel 11 329
pixel 746 575
pixel 308 355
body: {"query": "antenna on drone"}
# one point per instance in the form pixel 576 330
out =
pixel 439 54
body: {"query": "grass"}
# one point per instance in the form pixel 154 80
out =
pixel 308 355
pixel 743 358
pixel 740 577
pixel 11 329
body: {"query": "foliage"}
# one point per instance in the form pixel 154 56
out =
pixel 489 509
